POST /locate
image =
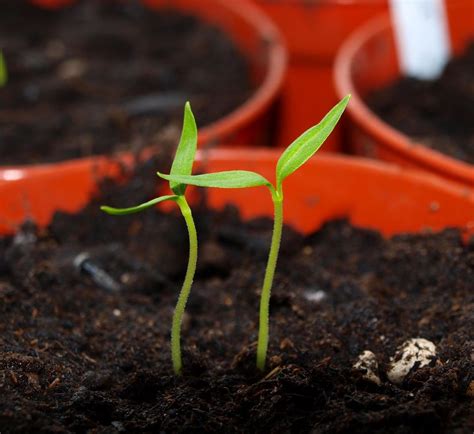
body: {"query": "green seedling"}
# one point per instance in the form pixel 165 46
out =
pixel 182 166
pixel 300 151
pixel 3 71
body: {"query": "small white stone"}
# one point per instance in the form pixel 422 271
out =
pixel 117 312
pixel 413 353
pixel 315 296
pixel 367 363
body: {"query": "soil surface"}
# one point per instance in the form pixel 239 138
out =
pixel 437 113
pixel 81 357
pixel 103 76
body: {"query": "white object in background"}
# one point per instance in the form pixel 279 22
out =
pixel 422 37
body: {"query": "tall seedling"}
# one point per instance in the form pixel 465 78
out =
pixel 182 166
pixel 303 148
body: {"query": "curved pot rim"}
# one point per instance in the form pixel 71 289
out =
pixel 372 193
pixel 388 136
pixel 259 100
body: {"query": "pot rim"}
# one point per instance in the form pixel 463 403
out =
pixel 372 193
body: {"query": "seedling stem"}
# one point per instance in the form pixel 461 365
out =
pixel 263 328
pixel 187 284
pixel 3 71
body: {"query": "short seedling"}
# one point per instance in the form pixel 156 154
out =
pixel 3 71
pixel 292 159
pixel 182 165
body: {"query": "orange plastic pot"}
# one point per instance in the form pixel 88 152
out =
pixel 372 194
pixel 314 30
pixel 368 61
pixel 259 41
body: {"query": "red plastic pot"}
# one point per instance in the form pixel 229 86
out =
pixel 314 30
pixel 260 42
pixel 368 61
pixel 372 194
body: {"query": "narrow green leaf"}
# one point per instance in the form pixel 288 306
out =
pixel 3 71
pixel 138 208
pixel 184 158
pixel 230 179
pixel 305 146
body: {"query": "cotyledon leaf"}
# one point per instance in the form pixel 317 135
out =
pixel 305 146
pixel 138 208
pixel 228 179
pixel 186 151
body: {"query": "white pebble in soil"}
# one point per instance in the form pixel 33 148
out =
pixel 412 354
pixel 367 363
pixel 315 296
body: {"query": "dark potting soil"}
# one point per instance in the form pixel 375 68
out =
pixel 104 76
pixel 78 357
pixel 438 113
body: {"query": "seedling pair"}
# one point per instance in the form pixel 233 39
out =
pixel 300 151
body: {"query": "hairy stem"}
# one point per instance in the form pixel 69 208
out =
pixel 262 345
pixel 186 288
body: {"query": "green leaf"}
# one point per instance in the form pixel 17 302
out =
pixel 306 145
pixel 138 208
pixel 3 71
pixel 184 158
pixel 230 179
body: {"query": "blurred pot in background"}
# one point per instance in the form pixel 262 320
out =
pixel 314 30
pixel 368 62
pixel 253 34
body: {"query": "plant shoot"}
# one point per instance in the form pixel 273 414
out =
pixel 294 156
pixel 182 166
